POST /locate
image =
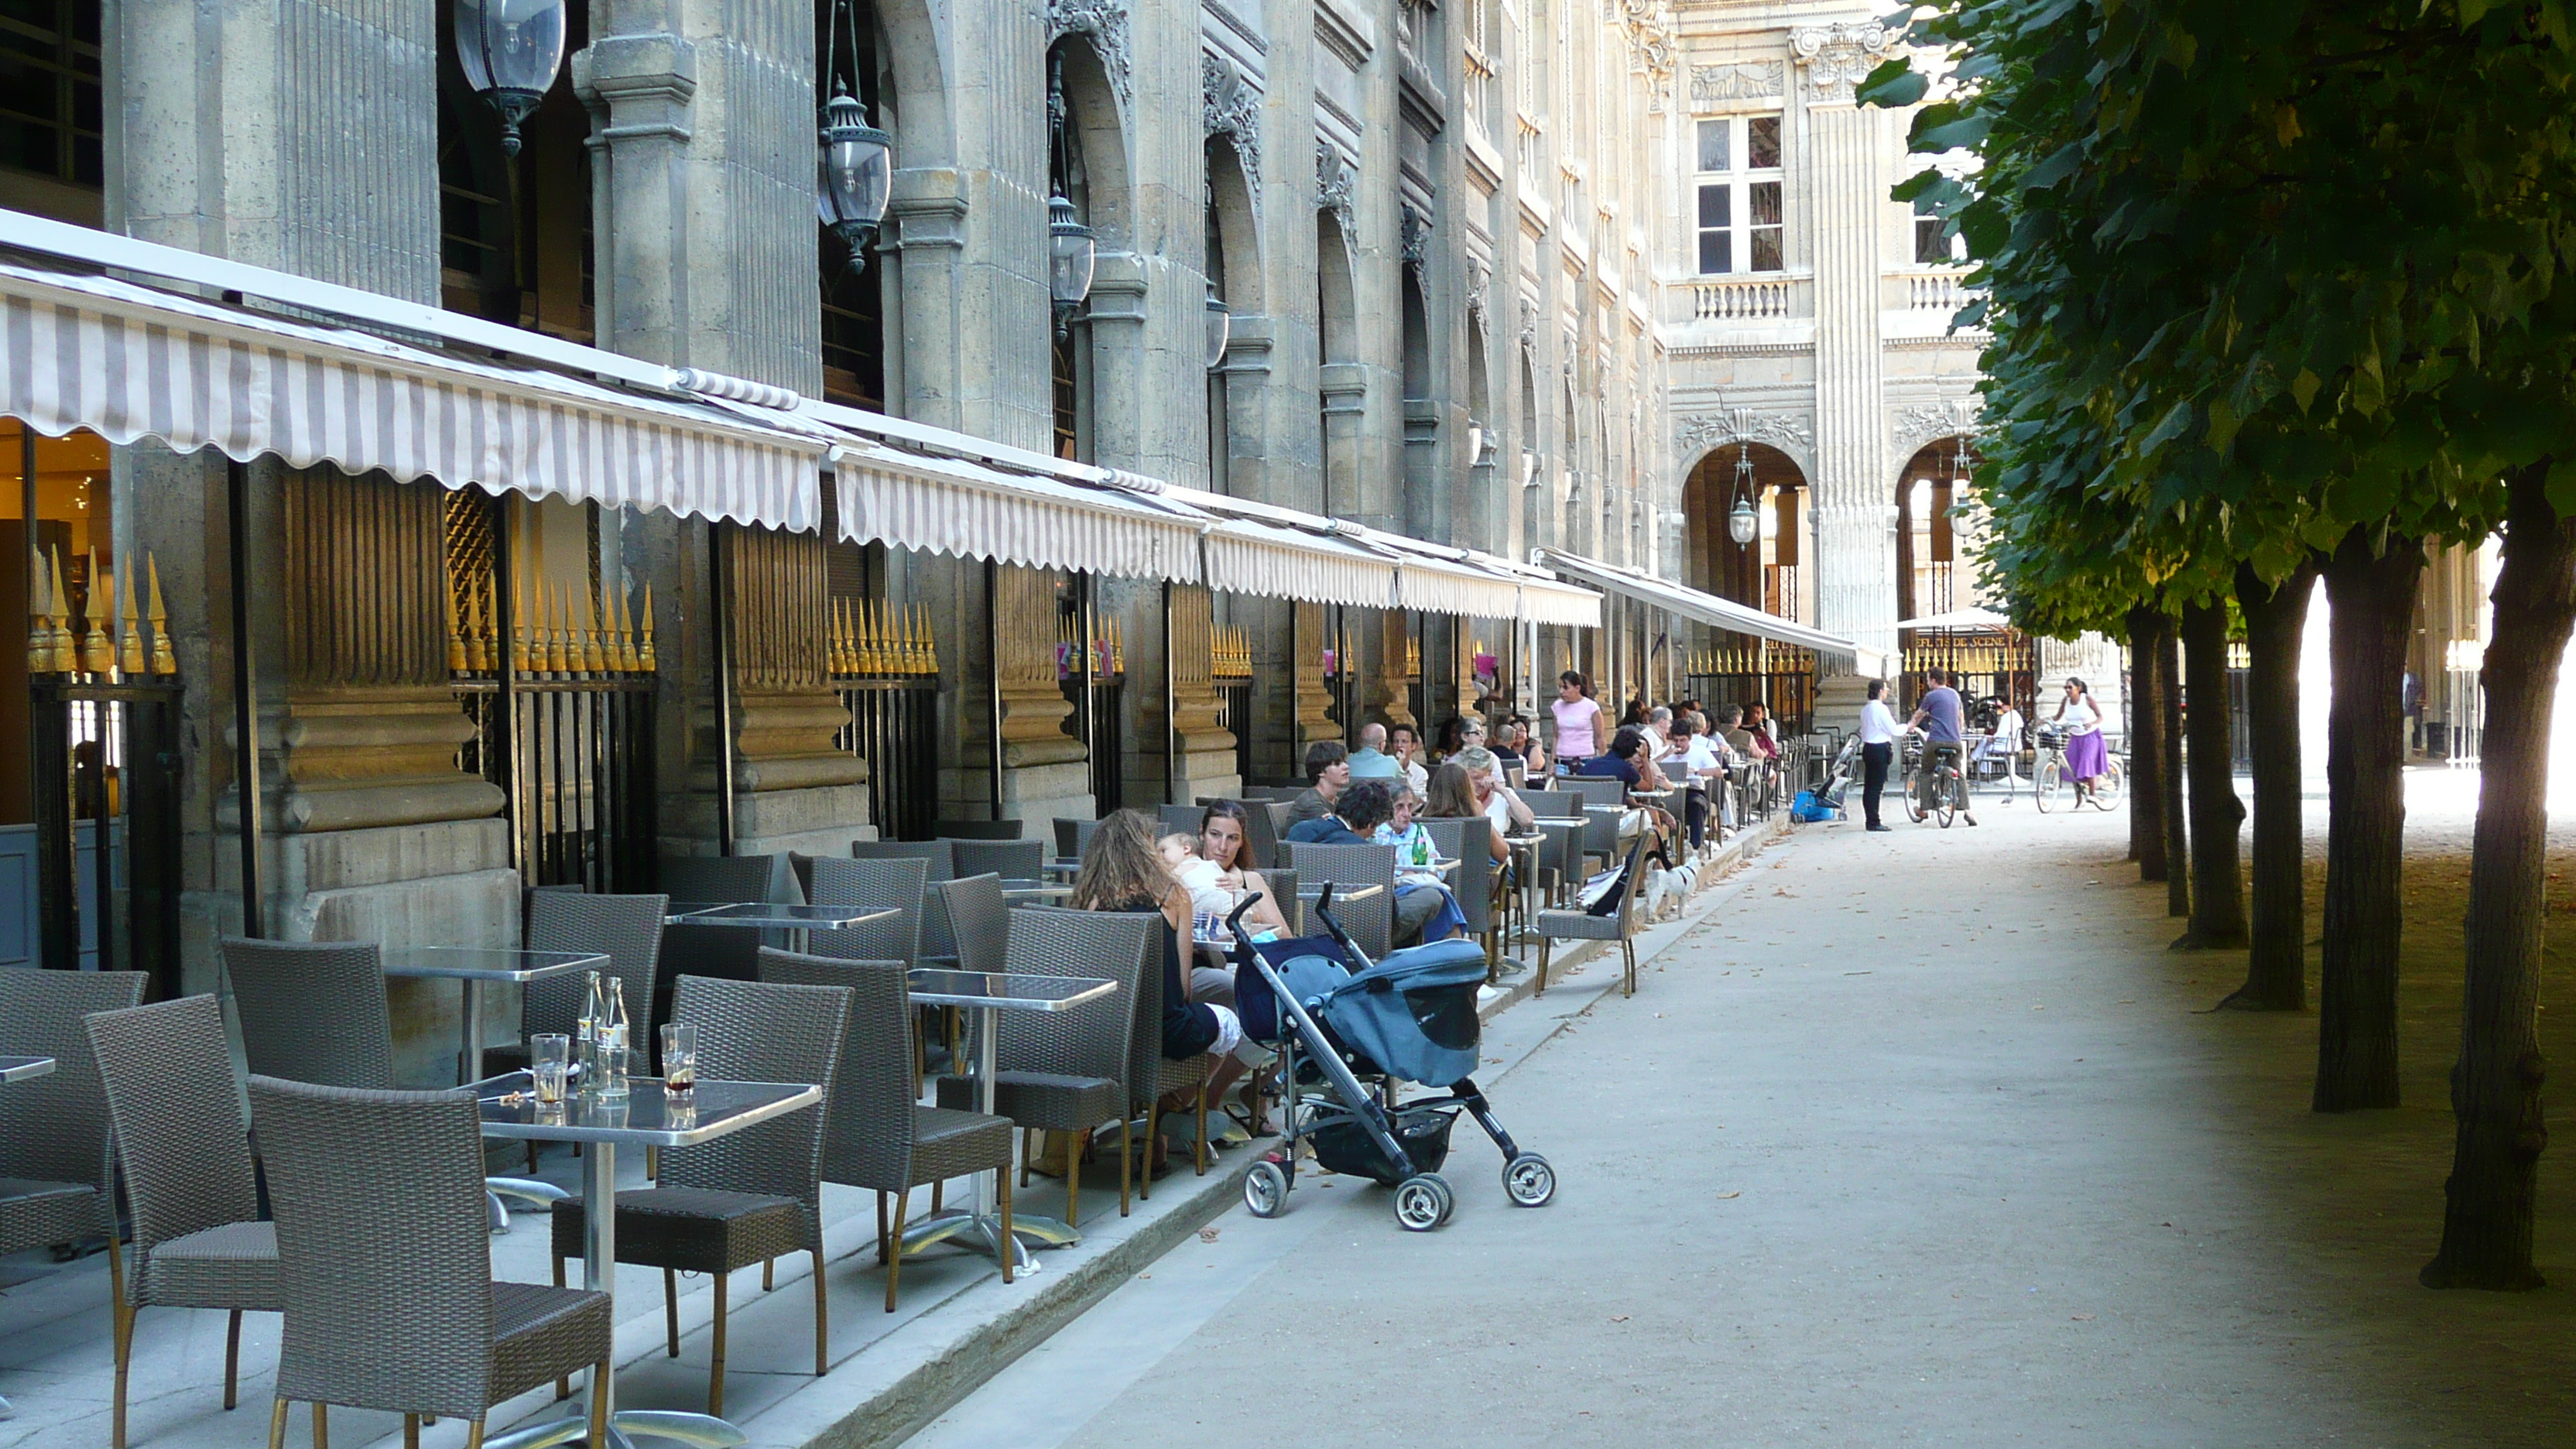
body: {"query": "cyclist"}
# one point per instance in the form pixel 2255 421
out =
pixel 1941 719
pixel 2087 759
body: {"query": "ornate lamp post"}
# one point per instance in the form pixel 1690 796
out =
pixel 1071 250
pixel 510 51
pixel 856 160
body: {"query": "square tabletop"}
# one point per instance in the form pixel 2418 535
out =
pixel 1341 893
pixel 1011 990
pixel 487 963
pixel 648 1117
pixel 1035 888
pixel 774 916
pixel 19 1069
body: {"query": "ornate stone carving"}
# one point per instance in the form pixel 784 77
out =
pixel 1919 425
pixel 1654 43
pixel 1334 182
pixel 1229 106
pixel 1105 22
pixel 1480 277
pixel 1714 85
pixel 1414 235
pixel 1786 432
pixel 1840 56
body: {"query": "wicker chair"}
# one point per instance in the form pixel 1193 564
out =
pixel 314 1012
pixel 1470 843
pixel 1619 926
pixel 980 919
pixel 869 885
pixel 627 929
pixel 1270 821
pixel 1291 909
pixel 937 944
pixel 1068 1071
pixel 1151 1076
pixel 1183 819
pixel 749 1197
pixel 397 1311
pixel 189 1184
pixel 1012 860
pixel 876 1134
pixel 53 1129
pixel 1371 922
pixel 977 830
pixel 730 878
pixel 1072 836
pixel 1560 817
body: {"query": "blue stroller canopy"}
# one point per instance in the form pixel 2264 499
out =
pixel 1414 1013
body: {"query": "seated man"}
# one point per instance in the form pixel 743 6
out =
pixel 1696 762
pixel 1626 761
pixel 1371 761
pixel 1328 773
pixel 1422 913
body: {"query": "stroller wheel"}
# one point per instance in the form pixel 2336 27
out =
pixel 1529 1180
pixel 1423 1203
pixel 1265 1190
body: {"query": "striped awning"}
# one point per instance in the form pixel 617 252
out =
pixel 131 362
pixel 967 510
pixel 1831 650
pixel 1280 561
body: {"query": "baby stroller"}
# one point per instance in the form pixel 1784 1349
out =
pixel 1346 1030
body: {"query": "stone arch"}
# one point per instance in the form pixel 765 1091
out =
pixel 1337 304
pixel 1233 229
pixel 913 74
pixel 1096 131
pixel 1771 572
pixel 1934 571
pixel 1417 338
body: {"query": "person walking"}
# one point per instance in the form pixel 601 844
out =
pixel 1582 725
pixel 1877 750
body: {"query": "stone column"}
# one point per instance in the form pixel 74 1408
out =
pixel 1844 192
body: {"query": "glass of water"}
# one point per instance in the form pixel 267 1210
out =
pixel 679 1057
pixel 549 1058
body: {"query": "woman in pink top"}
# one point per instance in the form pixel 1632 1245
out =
pixel 1581 723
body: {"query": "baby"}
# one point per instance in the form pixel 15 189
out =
pixel 1197 874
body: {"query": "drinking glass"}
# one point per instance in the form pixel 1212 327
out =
pixel 549 1057
pixel 679 1057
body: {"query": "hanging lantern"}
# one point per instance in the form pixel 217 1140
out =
pixel 1741 525
pixel 857 177
pixel 1071 253
pixel 1220 327
pixel 510 51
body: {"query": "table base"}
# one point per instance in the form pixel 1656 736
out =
pixel 981 1232
pixel 624 1428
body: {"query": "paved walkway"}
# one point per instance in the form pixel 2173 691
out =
pixel 1919 1139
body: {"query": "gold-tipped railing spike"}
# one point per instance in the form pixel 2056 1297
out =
pixel 562 655
pixel 458 659
pixel 97 650
pixel 867 629
pixel 832 637
pixel 1117 647
pixel 164 659
pixel 929 643
pixel 40 618
pixel 626 661
pixel 521 626
pixel 129 657
pixel 60 657
pixel 644 640
pixel 596 656
pixel 913 651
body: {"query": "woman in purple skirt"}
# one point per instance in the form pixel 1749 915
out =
pixel 2086 758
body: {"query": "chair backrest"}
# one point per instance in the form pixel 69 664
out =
pixel 1016 860
pixel 730 878
pixel 1283 882
pixel 871 884
pixel 384 1255
pixel 1598 789
pixel 312 1011
pixel 943 866
pixel 54 1128
pixel 978 830
pixel 1555 804
pixel 761 1031
pixel 867 1120
pixel 1371 922
pixel 1183 819
pixel 1636 878
pixel 1470 842
pixel 1270 821
pixel 167 1072
pixel 1093 1039
pixel 1072 836
pixel 627 928
pixel 979 920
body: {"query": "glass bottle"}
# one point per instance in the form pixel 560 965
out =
pixel 585 1039
pixel 613 1039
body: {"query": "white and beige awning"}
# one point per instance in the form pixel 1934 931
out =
pixel 130 362
pixel 1830 650
pixel 969 510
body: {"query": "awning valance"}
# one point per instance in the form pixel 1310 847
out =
pixel 966 510
pixel 1830 650
pixel 131 362
pixel 1276 561
pixel 1442 580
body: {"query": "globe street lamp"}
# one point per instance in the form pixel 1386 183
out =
pixel 510 51
pixel 857 174
pixel 1740 523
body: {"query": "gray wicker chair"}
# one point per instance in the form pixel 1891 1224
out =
pixel 1012 860
pixel 628 929
pixel 1151 1076
pixel 189 1184
pixel 1620 926
pixel 53 1129
pixel 1073 836
pixel 1183 819
pixel 980 919
pixel 977 830
pixel 1470 843
pixel 870 885
pixel 936 941
pixel 745 1198
pixel 1291 909
pixel 1560 817
pixel 876 1134
pixel 1270 822
pixel 397 1311
pixel 729 878
pixel 1371 922
pixel 1069 1071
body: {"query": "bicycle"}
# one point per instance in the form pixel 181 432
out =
pixel 2051 777
pixel 1936 789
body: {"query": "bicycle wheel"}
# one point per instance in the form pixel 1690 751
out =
pixel 2043 789
pixel 2106 793
pixel 1915 790
pixel 1948 792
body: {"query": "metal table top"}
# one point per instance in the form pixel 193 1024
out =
pixel 1341 893
pixel 1014 991
pixel 19 1069
pixel 649 1117
pixel 487 963
pixel 773 916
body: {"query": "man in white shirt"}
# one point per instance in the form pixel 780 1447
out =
pixel 1877 750
pixel 1404 742
pixel 2004 744
pixel 1694 763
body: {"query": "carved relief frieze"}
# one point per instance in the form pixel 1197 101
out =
pixel 1712 86
pixel 1787 432
pixel 1334 182
pixel 1230 107
pixel 1104 22
pixel 1916 426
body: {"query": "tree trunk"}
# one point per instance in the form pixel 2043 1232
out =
pixel 2177 848
pixel 2276 620
pixel 2146 747
pixel 2495 1086
pixel 2372 594
pixel 2218 891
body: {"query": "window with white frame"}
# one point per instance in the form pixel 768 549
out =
pixel 1737 219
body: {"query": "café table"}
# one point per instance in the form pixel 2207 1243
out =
pixel 649 1116
pixel 474 968
pixel 799 921
pixel 988 994
pixel 19 1069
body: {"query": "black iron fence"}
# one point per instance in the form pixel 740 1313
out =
pixel 106 841
pixel 1235 699
pixel 894 726
pixel 576 758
